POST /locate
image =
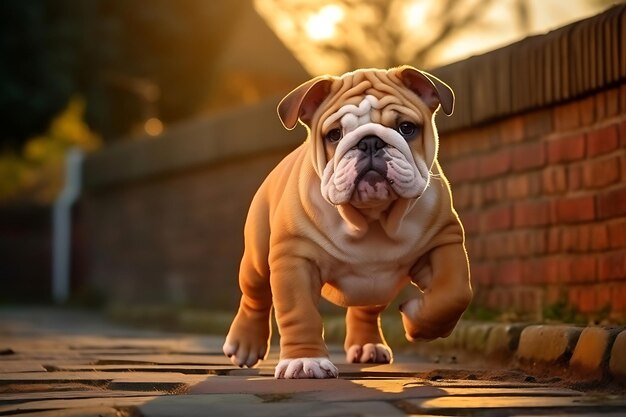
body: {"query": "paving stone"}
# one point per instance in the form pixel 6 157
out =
pixel 617 363
pixel 503 341
pixel 541 344
pixel 63 404
pixel 21 366
pixel 592 352
pixel 183 369
pixel 89 392
pixel 513 404
pixel 223 406
pixel 164 359
pixel 79 412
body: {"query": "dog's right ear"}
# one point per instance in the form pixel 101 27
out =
pixel 302 102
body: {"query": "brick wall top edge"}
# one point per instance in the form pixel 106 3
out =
pixel 556 64
pixel 232 134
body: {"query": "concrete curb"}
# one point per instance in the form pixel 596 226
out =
pixel 586 353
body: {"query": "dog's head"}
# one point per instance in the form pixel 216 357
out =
pixel 372 132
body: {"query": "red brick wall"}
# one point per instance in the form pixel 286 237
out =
pixel 542 196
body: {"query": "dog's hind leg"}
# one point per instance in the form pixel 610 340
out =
pixel 364 338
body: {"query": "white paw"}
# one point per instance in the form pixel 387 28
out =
pixel 305 368
pixel 241 354
pixel 369 353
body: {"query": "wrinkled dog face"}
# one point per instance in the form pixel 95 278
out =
pixel 373 135
pixel 373 152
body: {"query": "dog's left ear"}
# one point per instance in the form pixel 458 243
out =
pixel 429 88
pixel 302 102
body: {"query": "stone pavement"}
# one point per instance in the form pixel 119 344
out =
pixel 68 363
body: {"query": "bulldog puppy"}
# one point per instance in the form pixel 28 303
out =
pixel 354 214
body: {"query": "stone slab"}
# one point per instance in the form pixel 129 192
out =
pixel 513 404
pixel 164 359
pixel 219 405
pixel 78 412
pixel 590 358
pixel 543 344
pixel 617 363
pixel 62 404
pixel 21 366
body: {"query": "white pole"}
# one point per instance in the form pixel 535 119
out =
pixel 62 226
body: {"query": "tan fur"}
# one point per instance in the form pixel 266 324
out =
pixel 299 247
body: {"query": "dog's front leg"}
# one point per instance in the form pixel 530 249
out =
pixel 296 290
pixel 446 292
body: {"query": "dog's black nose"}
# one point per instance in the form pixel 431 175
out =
pixel 370 144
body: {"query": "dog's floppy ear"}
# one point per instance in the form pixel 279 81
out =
pixel 302 102
pixel 429 88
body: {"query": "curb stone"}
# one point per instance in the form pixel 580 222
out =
pixel 541 344
pixel 617 362
pixel 591 355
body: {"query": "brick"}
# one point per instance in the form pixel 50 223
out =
pixel 603 140
pixel 547 344
pixel 582 298
pixel 575 209
pixel 566 149
pixel 554 240
pixel 579 269
pixel 529 156
pixel 590 359
pixel 517 187
pixel 512 130
pixel 587 111
pixel 461 170
pixel 531 213
pixel 617 362
pixel 567 116
pixel 600 237
pixel 471 222
pixel 475 249
pixel 618 298
pixel 612 203
pixel 481 273
pixel 612 102
pixel 575 177
pixel 622 97
pixel 622 133
pixel 601 172
pixel 463 196
pixel 538 123
pixel 600 99
pixel 554 179
pixel 616 231
pixel 612 265
pixel 509 272
pixel 499 218
pixel 495 163
pixel 493 191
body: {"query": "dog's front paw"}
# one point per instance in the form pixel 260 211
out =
pixel 427 318
pixel 369 353
pixel 247 341
pixel 305 368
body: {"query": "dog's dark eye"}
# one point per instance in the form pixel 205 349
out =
pixel 333 135
pixel 408 129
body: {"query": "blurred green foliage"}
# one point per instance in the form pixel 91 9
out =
pixel 130 59
pixel 36 172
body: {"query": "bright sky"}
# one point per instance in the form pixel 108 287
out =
pixel 305 25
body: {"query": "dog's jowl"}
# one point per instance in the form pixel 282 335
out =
pixel 357 212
